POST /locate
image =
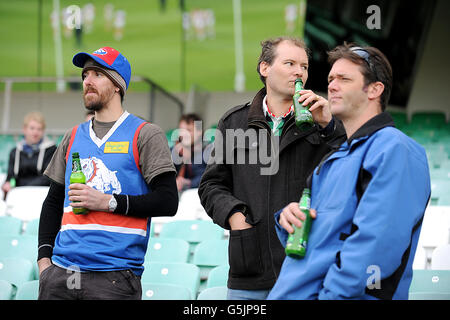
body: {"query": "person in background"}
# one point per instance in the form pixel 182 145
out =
pixel 369 196
pixel 188 153
pixel 31 156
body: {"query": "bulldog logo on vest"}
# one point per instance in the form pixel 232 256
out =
pixel 99 177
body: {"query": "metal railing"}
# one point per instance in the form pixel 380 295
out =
pixel 154 88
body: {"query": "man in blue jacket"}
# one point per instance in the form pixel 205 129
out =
pixel 368 196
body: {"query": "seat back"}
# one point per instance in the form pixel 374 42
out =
pixel 193 231
pixel 440 260
pixel 167 250
pixel 10 226
pixel 29 209
pixel 218 276
pixel 164 291
pixel 28 291
pixel 183 274
pixel 215 293
pixel 16 270
pixel 429 283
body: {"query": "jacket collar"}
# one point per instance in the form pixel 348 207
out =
pixel 256 112
pixel 378 122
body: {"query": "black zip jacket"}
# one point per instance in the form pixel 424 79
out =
pixel 227 185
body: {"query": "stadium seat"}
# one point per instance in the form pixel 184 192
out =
pixel 28 291
pixel 190 208
pixel 420 259
pixel 423 120
pixel 171 137
pixel 183 274
pixel 10 226
pixel 218 277
pixel 6 290
pixel 2 205
pixel 193 231
pixel 18 246
pixel 16 270
pixel 164 291
pixel 215 293
pixel 167 250
pixel 435 229
pixel 440 194
pixel 430 284
pixel 7 143
pixel 400 119
pixel 32 227
pixel 440 260
pixel 29 209
pixel 209 254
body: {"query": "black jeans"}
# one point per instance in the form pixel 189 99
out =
pixel 57 283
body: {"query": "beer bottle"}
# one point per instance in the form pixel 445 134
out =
pixel 297 241
pixel 77 176
pixel 303 117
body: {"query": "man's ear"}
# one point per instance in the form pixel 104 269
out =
pixel 375 90
pixel 263 68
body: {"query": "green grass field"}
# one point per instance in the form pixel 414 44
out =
pixel 152 41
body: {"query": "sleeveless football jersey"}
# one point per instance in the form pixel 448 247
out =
pixel 104 241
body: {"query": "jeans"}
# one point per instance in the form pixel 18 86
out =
pixel 233 294
pixel 57 283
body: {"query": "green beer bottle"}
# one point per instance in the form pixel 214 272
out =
pixel 303 117
pixel 77 176
pixel 297 241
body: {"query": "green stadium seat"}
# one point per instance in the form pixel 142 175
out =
pixel 18 246
pixel 6 290
pixel 218 276
pixel 10 226
pixel 183 274
pixel 215 293
pixel 164 291
pixel 209 254
pixel 428 119
pixel 400 119
pixel 171 140
pixel 167 250
pixel 16 270
pixel 440 194
pixel 193 231
pixel 430 284
pixel 28 291
pixel 32 227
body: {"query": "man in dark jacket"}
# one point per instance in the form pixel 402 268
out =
pixel 260 163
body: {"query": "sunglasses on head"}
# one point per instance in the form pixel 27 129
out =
pixel 362 53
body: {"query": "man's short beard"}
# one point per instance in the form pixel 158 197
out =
pixel 96 106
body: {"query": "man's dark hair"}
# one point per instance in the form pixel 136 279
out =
pixel 268 52
pixel 374 66
pixel 190 117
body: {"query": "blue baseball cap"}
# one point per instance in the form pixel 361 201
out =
pixel 109 58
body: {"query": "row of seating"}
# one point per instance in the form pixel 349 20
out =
pixel 160 280
pixel 172 281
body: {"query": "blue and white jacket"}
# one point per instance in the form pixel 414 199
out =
pixel 370 196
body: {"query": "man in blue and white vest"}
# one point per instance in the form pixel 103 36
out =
pixel 130 178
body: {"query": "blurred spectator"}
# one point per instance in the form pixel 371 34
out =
pixel 30 157
pixel 188 152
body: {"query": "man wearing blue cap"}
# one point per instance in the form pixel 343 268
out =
pixel 130 178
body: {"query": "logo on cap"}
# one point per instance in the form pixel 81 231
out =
pixel 100 51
